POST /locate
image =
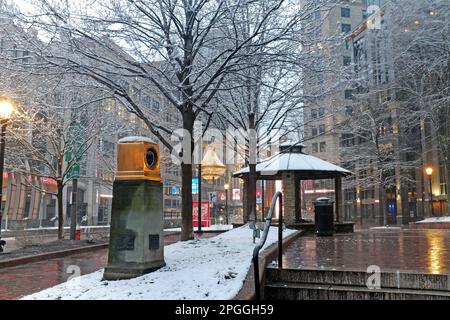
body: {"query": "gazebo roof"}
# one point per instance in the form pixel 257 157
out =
pixel 292 159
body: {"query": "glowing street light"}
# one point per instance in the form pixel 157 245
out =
pixel 429 171
pixel 6 109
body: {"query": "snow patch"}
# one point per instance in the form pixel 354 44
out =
pixel 386 228
pixel 214 227
pixel 435 219
pixel 136 139
pixel 213 268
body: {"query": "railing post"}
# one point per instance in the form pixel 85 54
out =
pixel 280 232
pixel 258 247
pixel 256 275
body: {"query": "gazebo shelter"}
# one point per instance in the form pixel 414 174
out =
pixel 291 166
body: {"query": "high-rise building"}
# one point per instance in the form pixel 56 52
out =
pixel 329 90
pixel 366 124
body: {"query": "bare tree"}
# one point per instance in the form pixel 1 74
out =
pixel 51 136
pixel 266 97
pixel 401 79
pixel 185 49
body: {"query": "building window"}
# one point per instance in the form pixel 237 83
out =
pixel 314 131
pixel 364 14
pixel 147 102
pixel 345 12
pixel 348 94
pixel 346 45
pixel 346 60
pixel 346 27
pixel 322 128
pixel 321 112
pixel 443 182
pixel 320 79
pixel 348 110
pixel 314 148
pixel 313 114
pixel 322 146
pixel 155 106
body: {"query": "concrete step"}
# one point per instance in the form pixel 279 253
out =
pixel 355 278
pixel 307 291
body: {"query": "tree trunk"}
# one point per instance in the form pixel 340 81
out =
pixel 382 206
pixel 251 194
pixel 59 197
pixel 186 202
pixel 186 177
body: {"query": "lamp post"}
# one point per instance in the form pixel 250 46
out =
pixel 6 109
pixel 226 187
pixel 429 172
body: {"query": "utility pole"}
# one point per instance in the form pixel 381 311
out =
pixel 199 210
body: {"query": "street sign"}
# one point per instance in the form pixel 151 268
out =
pixel 213 197
pixel 194 185
pixel 74 170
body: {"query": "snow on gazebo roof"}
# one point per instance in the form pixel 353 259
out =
pixel 291 158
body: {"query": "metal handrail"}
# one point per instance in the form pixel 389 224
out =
pixel 261 243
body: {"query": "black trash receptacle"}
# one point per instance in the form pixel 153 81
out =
pixel 324 216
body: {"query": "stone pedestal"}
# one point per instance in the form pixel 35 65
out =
pixel 136 236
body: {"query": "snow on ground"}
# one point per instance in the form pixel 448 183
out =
pixel 214 227
pixel 435 219
pixel 212 268
pixel 136 139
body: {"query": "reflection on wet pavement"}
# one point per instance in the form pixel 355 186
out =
pixel 419 250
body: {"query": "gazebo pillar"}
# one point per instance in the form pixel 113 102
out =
pixel 338 196
pixel 298 199
pixel 291 194
pixel 244 198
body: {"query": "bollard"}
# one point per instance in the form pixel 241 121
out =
pixel 78 232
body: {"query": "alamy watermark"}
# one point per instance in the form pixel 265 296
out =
pixel 73 282
pixel 374 277
pixel 233 146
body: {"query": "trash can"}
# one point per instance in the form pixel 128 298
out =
pixel 323 216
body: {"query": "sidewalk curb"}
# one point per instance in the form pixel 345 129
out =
pixel 50 255
pixel 59 254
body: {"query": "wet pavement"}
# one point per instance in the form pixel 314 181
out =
pixel 425 251
pixel 16 282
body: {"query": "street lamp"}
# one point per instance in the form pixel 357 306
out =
pixel 226 187
pixel 212 168
pixel 429 171
pixel 6 109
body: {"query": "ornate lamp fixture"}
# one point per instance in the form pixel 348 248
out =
pixel 212 167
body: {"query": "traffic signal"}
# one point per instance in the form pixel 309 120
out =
pixel 258 197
